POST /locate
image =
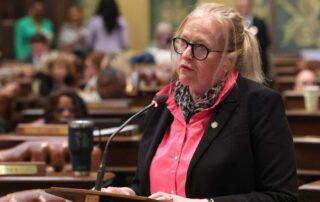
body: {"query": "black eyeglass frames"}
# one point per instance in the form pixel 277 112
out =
pixel 199 51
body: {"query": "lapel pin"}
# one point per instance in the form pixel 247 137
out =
pixel 214 124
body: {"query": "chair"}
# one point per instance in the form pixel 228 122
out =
pixel 34 195
pixel 53 152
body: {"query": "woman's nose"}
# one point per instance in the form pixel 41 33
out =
pixel 187 53
pixel 66 113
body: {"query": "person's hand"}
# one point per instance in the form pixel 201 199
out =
pixel 119 190
pixel 161 196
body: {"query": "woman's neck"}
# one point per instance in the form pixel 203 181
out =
pixel 196 95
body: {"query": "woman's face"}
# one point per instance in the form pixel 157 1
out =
pixel 91 70
pixel 201 75
pixel 64 111
pixel 75 14
pixel 59 72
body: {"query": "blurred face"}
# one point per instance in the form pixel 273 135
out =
pixel 64 111
pixel 39 49
pixel 244 7
pixel 59 72
pixel 164 40
pixel 201 75
pixel 90 70
pixel 75 14
pixel 305 78
pixel 37 10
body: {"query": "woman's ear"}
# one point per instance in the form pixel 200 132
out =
pixel 232 58
pixel 230 61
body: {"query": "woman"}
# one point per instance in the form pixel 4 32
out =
pixel 30 25
pixel 63 106
pixel 72 36
pixel 221 136
pixel 107 30
pixel 93 63
pixel 58 71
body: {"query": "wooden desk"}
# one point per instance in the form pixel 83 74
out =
pixel 10 184
pixel 112 116
pixel 294 99
pixel 307 151
pixel 309 192
pixel 122 156
pixel 303 123
pixel 283 83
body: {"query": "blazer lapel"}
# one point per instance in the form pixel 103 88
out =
pixel 220 116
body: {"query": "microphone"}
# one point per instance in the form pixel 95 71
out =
pixel 156 102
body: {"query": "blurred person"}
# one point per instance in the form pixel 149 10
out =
pixel 63 106
pixel 221 135
pixel 28 26
pixel 107 30
pixel 58 71
pixel 8 96
pixel 111 83
pixel 72 36
pixel 39 51
pixel 305 77
pixel 92 68
pixel 259 28
pixel 159 50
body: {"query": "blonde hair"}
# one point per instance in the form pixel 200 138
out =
pixel 238 40
pixel 55 57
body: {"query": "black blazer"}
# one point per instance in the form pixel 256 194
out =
pixel 264 42
pixel 248 157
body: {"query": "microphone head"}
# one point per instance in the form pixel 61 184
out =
pixel 159 100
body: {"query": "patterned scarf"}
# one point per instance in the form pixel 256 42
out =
pixel 188 106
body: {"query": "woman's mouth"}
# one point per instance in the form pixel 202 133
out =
pixel 186 67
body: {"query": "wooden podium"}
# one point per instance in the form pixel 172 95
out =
pixel 82 195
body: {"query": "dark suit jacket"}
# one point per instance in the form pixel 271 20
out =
pixel 248 157
pixel 264 42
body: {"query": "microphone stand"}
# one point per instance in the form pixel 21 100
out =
pixel 102 166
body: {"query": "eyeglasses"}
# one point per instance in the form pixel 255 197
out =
pixel 199 51
pixel 61 110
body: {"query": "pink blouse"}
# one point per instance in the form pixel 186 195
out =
pixel 168 169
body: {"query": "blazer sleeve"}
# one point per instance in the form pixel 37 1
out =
pixel 272 147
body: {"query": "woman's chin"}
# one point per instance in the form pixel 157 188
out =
pixel 185 79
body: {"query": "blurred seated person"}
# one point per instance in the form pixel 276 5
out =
pixel 34 195
pixel 305 77
pixel 8 95
pixel 313 65
pixel 159 52
pixel 58 71
pixel 28 26
pixel 72 36
pixel 63 106
pixel 111 83
pixel 39 51
pixel 92 68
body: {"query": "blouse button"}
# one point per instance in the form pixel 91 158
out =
pixel 175 157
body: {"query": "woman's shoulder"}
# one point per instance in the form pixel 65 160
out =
pixel 122 21
pixel 251 86
pixel 251 91
pixel 95 20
